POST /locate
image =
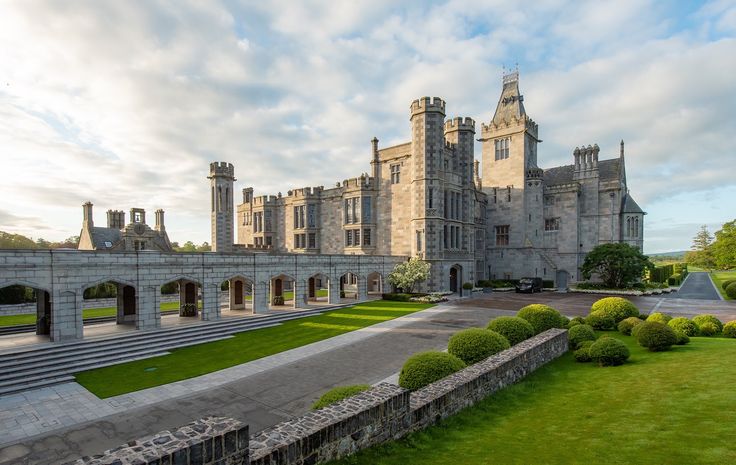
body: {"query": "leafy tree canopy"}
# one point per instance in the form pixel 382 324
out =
pixel 407 274
pixel 617 265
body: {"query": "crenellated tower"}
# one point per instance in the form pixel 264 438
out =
pixel 222 177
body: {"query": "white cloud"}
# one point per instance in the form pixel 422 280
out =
pixel 126 103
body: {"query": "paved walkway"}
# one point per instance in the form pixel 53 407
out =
pixel 66 421
pixel 698 285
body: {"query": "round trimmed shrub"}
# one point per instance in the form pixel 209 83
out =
pixel 658 317
pixel 541 317
pixel 708 329
pixel 580 333
pixel 726 283
pixel 425 368
pixel 339 393
pixel 683 325
pixel 626 325
pixel 476 344
pixel 682 338
pixel 731 290
pixel 578 320
pixel 608 351
pixel 617 308
pixel 513 328
pixel 600 320
pixel 706 318
pixel 655 336
pixel 582 354
pixel 564 321
pixel 729 329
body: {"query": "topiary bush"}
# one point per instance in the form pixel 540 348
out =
pixel 277 300
pixel 427 367
pixel 683 325
pixel 578 320
pixel 726 283
pixel 600 320
pixel 564 321
pixel 339 393
pixel 617 308
pixel 682 338
pixel 626 325
pixel 658 317
pixel 655 336
pixel 541 317
pixel 582 354
pixel 578 334
pixel 476 344
pixel 731 290
pixel 708 329
pixel 706 318
pixel 513 328
pixel 729 329
pixel 608 351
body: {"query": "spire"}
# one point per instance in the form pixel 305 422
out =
pixel 622 149
pixel 511 103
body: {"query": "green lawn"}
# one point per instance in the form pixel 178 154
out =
pixel 201 359
pixel 719 277
pixel 659 408
pixel 30 319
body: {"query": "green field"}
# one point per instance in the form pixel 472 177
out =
pixel 671 407
pixel 201 359
pixel 30 319
pixel 719 277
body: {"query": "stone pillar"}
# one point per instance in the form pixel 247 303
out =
pixel 334 294
pixel 148 313
pixel 260 297
pixel 362 288
pixel 66 316
pixel 120 315
pixel 43 312
pixel 211 302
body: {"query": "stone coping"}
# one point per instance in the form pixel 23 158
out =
pixel 626 292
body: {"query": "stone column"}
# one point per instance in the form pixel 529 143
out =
pixel 120 315
pixel 66 316
pixel 211 302
pixel 260 297
pixel 148 313
pixel 334 287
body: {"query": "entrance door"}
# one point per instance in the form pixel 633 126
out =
pixel 562 276
pixel 453 280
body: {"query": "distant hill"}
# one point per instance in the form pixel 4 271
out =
pixel 677 254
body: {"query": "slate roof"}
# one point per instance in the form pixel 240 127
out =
pixel 102 235
pixel 608 170
pixel 630 205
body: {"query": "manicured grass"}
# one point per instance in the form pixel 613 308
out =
pixel 30 319
pixel 671 407
pixel 201 359
pixel 719 277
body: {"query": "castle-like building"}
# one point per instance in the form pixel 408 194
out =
pixel 427 198
pixel 118 236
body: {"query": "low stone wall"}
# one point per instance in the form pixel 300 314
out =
pixel 384 413
pixel 211 440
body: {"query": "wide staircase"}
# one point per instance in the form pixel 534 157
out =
pixel 31 367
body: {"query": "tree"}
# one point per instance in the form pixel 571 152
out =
pixel 205 247
pixel 407 274
pixel 723 250
pixel 187 247
pixel 701 254
pixel 617 265
pixel 15 241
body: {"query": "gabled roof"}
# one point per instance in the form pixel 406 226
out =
pixel 102 235
pixel 608 170
pixel 511 103
pixel 630 205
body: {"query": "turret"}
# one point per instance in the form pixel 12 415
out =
pixel 375 162
pixel 460 132
pixel 160 221
pixel 137 215
pixel 222 177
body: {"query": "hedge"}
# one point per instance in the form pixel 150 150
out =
pixel 731 290
pixel 339 393
pixel 579 333
pixel 707 318
pixel 541 317
pixel 725 283
pixel 683 325
pixel 617 308
pixel 475 344
pixel 729 329
pixel 655 336
pixel 659 318
pixel 625 326
pixel 513 328
pixel 599 320
pixel 608 351
pixel 425 368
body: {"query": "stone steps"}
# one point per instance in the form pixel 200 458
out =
pixel 17 329
pixel 53 364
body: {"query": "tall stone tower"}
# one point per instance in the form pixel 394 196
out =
pixel 222 177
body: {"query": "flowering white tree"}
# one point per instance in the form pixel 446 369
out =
pixel 407 274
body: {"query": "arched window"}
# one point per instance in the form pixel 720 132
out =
pixel 628 226
pixel 219 199
pixel 636 227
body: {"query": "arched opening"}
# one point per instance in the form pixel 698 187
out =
pixel 236 296
pixel 349 286
pixel 318 288
pixel 108 301
pixel 180 298
pixel 456 279
pixel 282 290
pixel 25 309
pixel 374 283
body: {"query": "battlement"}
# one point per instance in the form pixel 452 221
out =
pixel 222 168
pixel 265 200
pixel 306 192
pixel 427 104
pixel 531 126
pixel 363 181
pixel 534 173
pixel 586 158
pixel 460 124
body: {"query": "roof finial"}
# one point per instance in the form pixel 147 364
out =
pixel 622 148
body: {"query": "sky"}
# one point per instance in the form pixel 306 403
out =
pixel 125 104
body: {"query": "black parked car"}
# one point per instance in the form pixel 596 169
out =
pixel 529 285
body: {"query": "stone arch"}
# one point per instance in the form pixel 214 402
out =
pixel 41 307
pixel 189 290
pixel 282 289
pixel 374 282
pixel 241 291
pixel 349 285
pixel 126 300
pixel 318 287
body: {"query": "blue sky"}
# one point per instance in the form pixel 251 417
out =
pixel 126 103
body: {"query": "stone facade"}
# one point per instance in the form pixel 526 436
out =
pixel 384 413
pixel 119 237
pixel 427 198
